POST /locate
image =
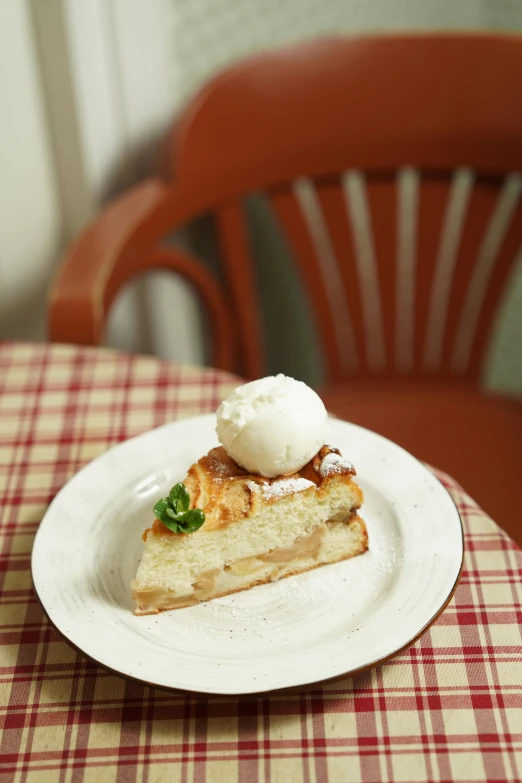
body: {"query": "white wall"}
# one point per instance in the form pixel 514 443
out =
pixel 211 33
pixel 111 92
pixel 30 213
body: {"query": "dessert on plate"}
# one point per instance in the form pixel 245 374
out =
pixel 273 500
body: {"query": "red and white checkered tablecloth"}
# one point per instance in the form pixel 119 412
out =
pixel 447 709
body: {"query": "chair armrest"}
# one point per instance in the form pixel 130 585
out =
pixel 120 244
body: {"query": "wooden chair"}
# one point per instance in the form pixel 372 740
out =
pixel 391 164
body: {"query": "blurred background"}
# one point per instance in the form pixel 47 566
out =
pixel 88 89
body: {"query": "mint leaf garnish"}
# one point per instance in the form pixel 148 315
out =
pixel 194 519
pixel 161 507
pixel 175 511
pixel 179 497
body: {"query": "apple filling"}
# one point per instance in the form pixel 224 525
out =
pixel 244 572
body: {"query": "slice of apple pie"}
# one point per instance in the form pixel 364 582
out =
pixel 246 530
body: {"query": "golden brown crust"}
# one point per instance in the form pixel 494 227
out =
pixel 191 600
pixel 227 493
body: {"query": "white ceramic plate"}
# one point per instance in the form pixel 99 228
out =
pixel 322 624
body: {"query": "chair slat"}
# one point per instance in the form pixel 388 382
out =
pixel 508 258
pixel 443 207
pixel 353 238
pixel 381 197
pixel 307 195
pixel 239 271
pixel 295 223
pixel 481 205
pixel 406 262
pixel 488 254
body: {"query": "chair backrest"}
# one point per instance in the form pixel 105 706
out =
pixel 393 167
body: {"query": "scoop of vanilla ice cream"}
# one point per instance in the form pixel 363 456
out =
pixel 272 426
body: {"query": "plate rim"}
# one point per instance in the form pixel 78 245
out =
pixel 243 694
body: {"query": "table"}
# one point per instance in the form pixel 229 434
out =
pixel 449 708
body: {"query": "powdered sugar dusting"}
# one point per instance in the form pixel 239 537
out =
pixel 282 488
pixel 218 467
pixel 334 463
